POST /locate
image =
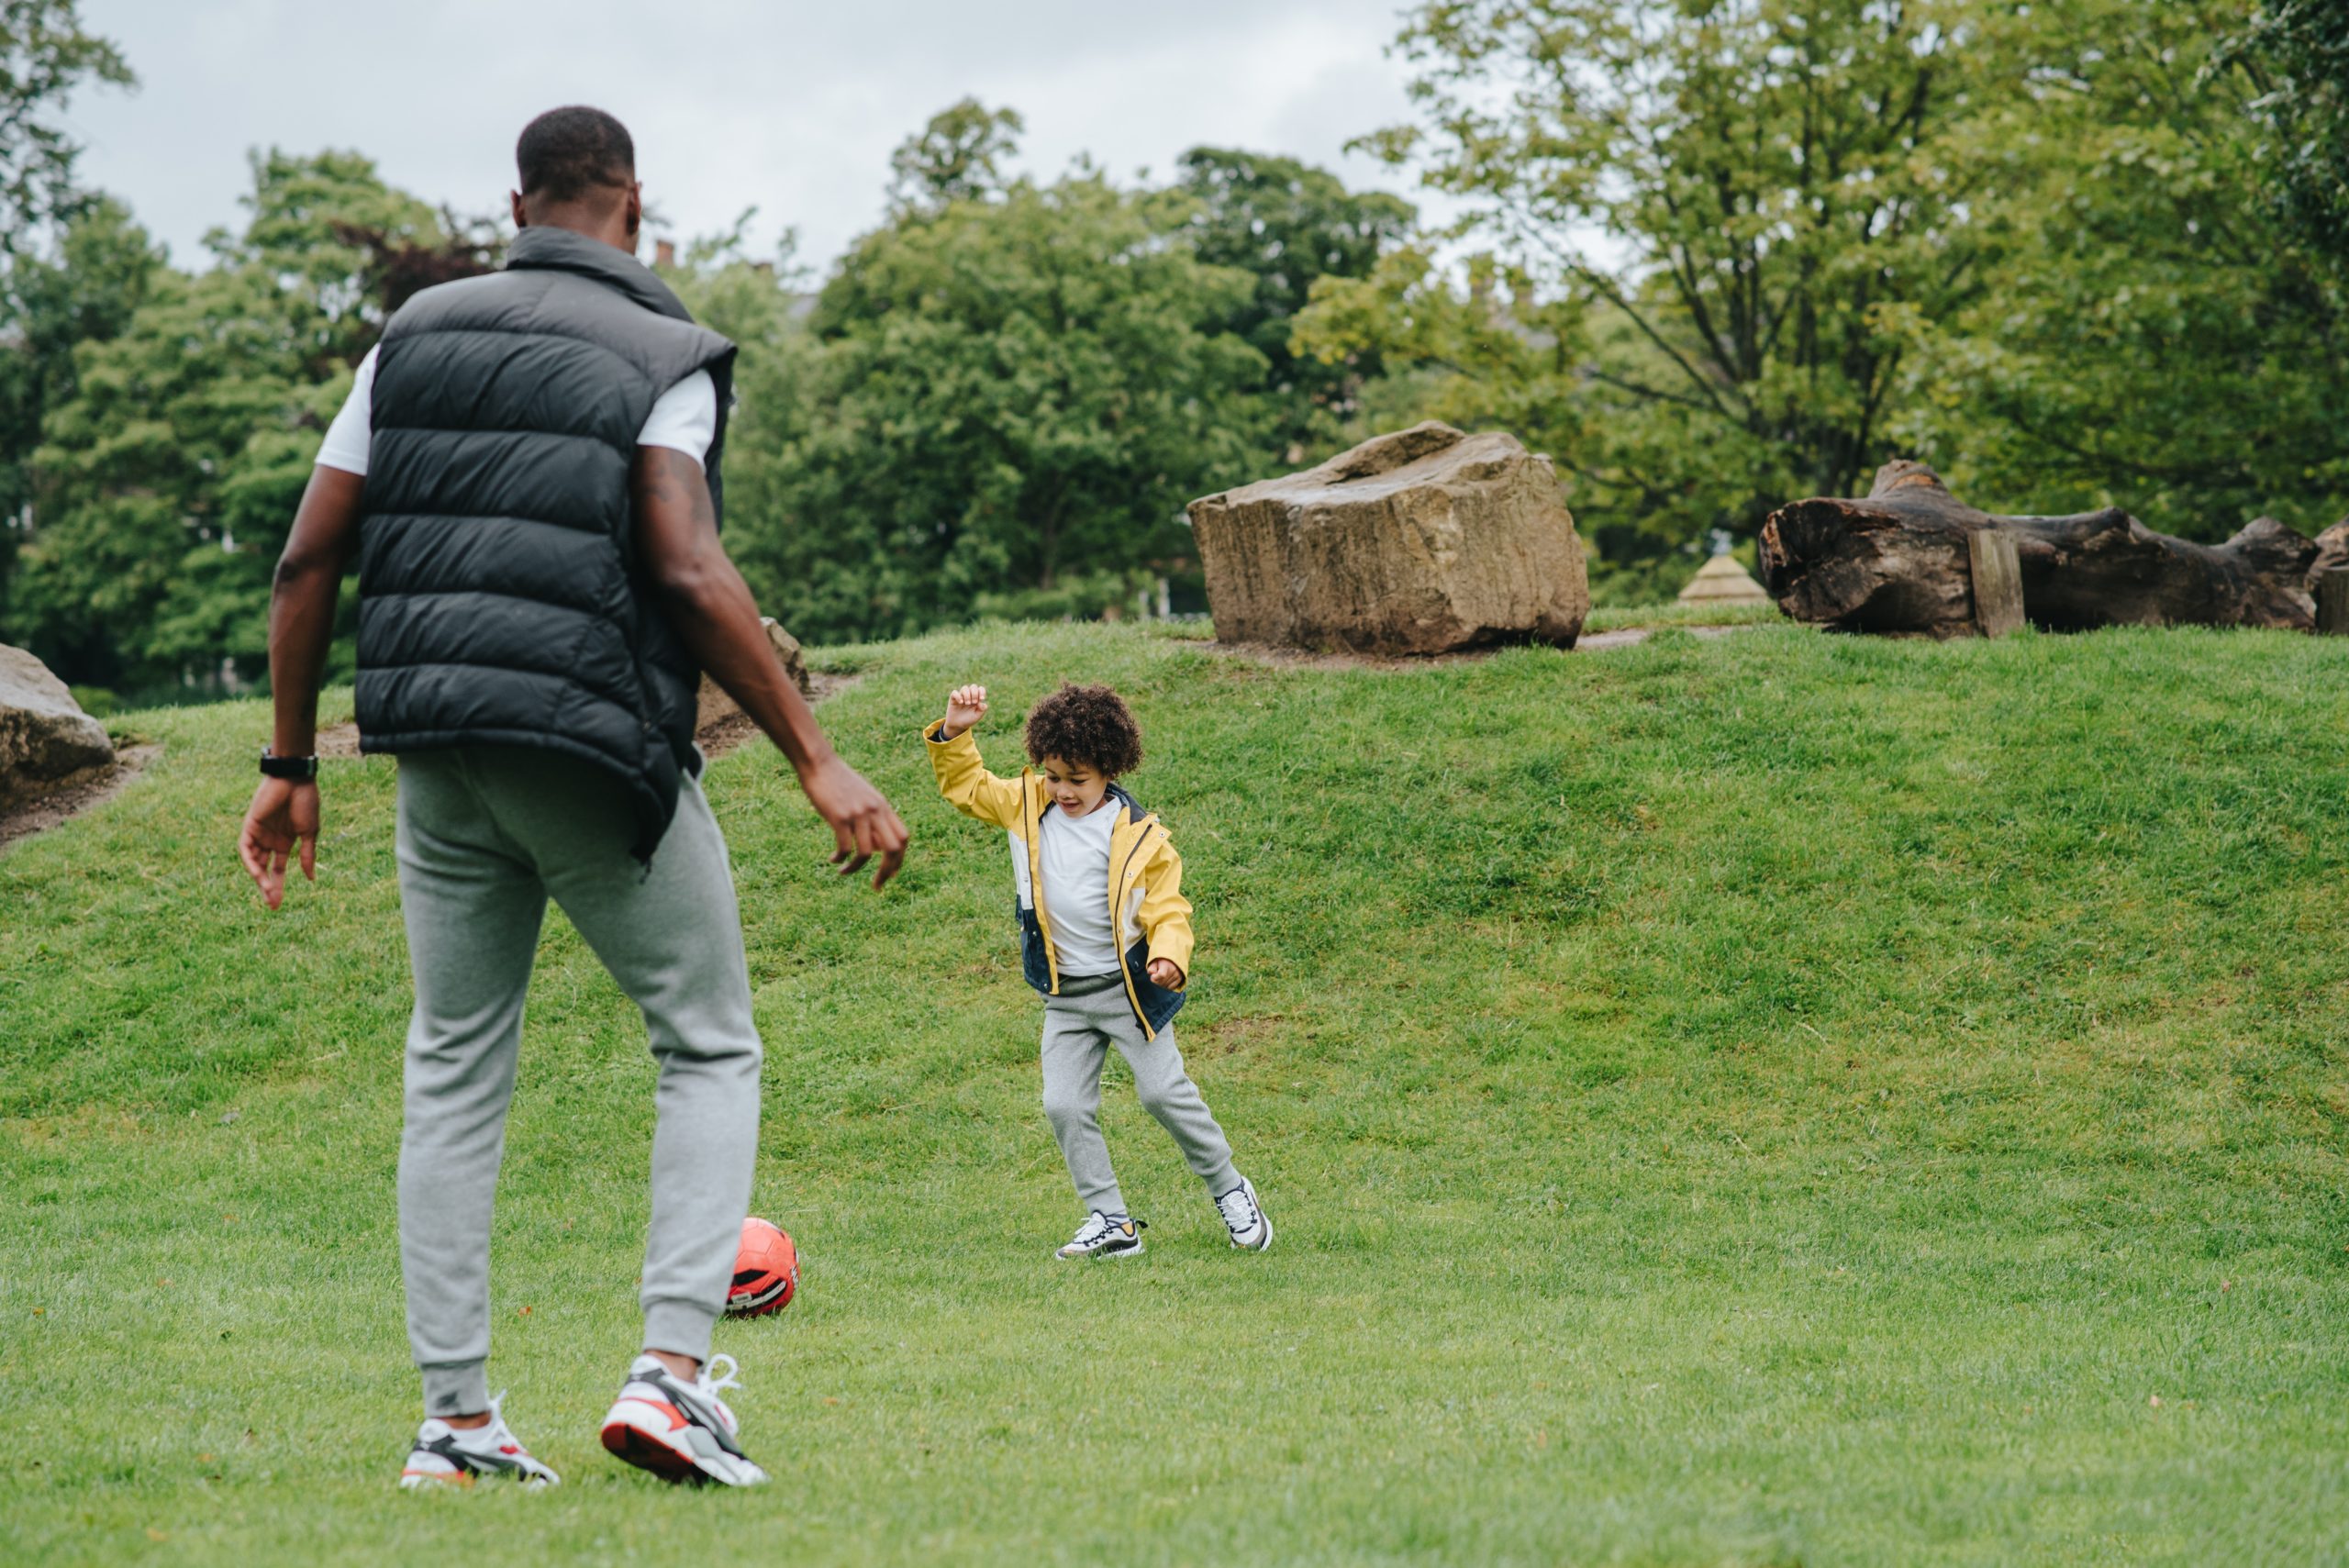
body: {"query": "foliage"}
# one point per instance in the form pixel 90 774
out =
pixel 2152 332
pixel 170 475
pixel 2296 53
pixel 1749 249
pixel 1289 224
pixel 45 55
pixel 990 394
pixel 1701 212
pixel 1782 1099
pixel 960 156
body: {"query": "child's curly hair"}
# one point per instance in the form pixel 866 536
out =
pixel 1088 725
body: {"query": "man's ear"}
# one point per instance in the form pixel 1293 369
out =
pixel 635 207
pixel 522 219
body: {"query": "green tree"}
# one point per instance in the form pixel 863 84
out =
pixel 1722 198
pixel 1289 224
pixel 166 482
pixel 2155 331
pixel 2296 55
pixel 45 54
pixel 996 405
pixel 960 156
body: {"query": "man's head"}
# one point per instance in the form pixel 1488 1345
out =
pixel 578 171
pixel 1081 738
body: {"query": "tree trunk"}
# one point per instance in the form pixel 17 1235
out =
pixel 1899 561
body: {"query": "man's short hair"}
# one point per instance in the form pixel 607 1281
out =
pixel 566 153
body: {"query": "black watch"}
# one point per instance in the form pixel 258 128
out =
pixel 276 767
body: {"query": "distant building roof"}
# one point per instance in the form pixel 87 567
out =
pixel 1723 581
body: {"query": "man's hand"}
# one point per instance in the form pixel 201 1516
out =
pixel 1165 972
pixel 966 706
pixel 862 823
pixel 285 812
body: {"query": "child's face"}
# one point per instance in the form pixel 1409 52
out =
pixel 1077 789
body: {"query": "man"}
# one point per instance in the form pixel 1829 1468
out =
pixel 527 471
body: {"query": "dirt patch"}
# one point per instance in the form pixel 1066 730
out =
pixel 736 730
pixel 716 739
pixel 1224 1035
pixel 1301 659
pixel 26 816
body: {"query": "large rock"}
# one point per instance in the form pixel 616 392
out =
pixel 44 734
pixel 714 705
pixel 1421 541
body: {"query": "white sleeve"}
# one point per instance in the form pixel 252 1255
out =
pixel 685 419
pixel 349 437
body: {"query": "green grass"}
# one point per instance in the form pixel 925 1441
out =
pixel 1782 1099
pixel 1616 617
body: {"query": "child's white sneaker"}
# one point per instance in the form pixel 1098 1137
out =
pixel 1106 1236
pixel 451 1456
pixel 679 1430
pixel 1244 1217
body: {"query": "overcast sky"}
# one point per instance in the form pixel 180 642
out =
pixel 791 106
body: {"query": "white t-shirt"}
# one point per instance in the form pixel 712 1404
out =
pixel 1075 856
pixel 685 419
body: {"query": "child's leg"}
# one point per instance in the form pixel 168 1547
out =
pixel 1168 1094
pixel 1073 1051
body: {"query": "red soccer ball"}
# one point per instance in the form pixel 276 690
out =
pixel 766 1271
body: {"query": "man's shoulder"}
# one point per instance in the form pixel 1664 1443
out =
pixel 461 301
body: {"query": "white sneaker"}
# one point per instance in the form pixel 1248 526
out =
pixel 679 1430
pixel 1244 1217
pixel 449 1456
pixel 1106 1236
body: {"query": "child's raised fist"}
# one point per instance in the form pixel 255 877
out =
pixel 966 706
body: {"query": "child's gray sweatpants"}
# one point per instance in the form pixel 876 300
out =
pixel 1080 1025
pixel 486 834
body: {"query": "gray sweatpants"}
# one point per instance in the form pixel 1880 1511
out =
pixel 486 834
pixel 1080 1025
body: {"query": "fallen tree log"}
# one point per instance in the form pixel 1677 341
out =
pixel 1898 561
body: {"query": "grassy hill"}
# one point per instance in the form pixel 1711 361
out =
pixel 1779 1099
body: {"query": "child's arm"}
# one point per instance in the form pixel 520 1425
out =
pixel 962 778
pixel 1165 918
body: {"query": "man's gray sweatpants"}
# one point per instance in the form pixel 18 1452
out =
pixel 486 834
pixel 1080 1025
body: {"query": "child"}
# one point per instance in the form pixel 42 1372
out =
pixel 1105 935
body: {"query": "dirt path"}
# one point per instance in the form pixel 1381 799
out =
pixel 1298 659
pixel 93 787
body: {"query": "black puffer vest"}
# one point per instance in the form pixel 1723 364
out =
pixel 500 599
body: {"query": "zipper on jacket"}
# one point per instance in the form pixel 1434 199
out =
pixel 1036 881
pixel 1116 925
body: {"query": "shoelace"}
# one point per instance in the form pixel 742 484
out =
pixel 1096 1225
pixel 1240 1215
pixel 711 1382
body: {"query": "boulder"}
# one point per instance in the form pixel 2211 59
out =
pixel 1421 541
pixel 44 734
pixel 714 706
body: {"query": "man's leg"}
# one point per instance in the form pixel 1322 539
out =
pixel 1072 1053
pixel 473 913
pixel 672 937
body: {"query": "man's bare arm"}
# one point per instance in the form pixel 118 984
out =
pixel 284 816
pixel 302 602
pixel 711 607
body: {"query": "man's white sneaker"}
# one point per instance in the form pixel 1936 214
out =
pixel 1244 1217
pixel 676 1430
pixel 449 1456
pixel 1106 1236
